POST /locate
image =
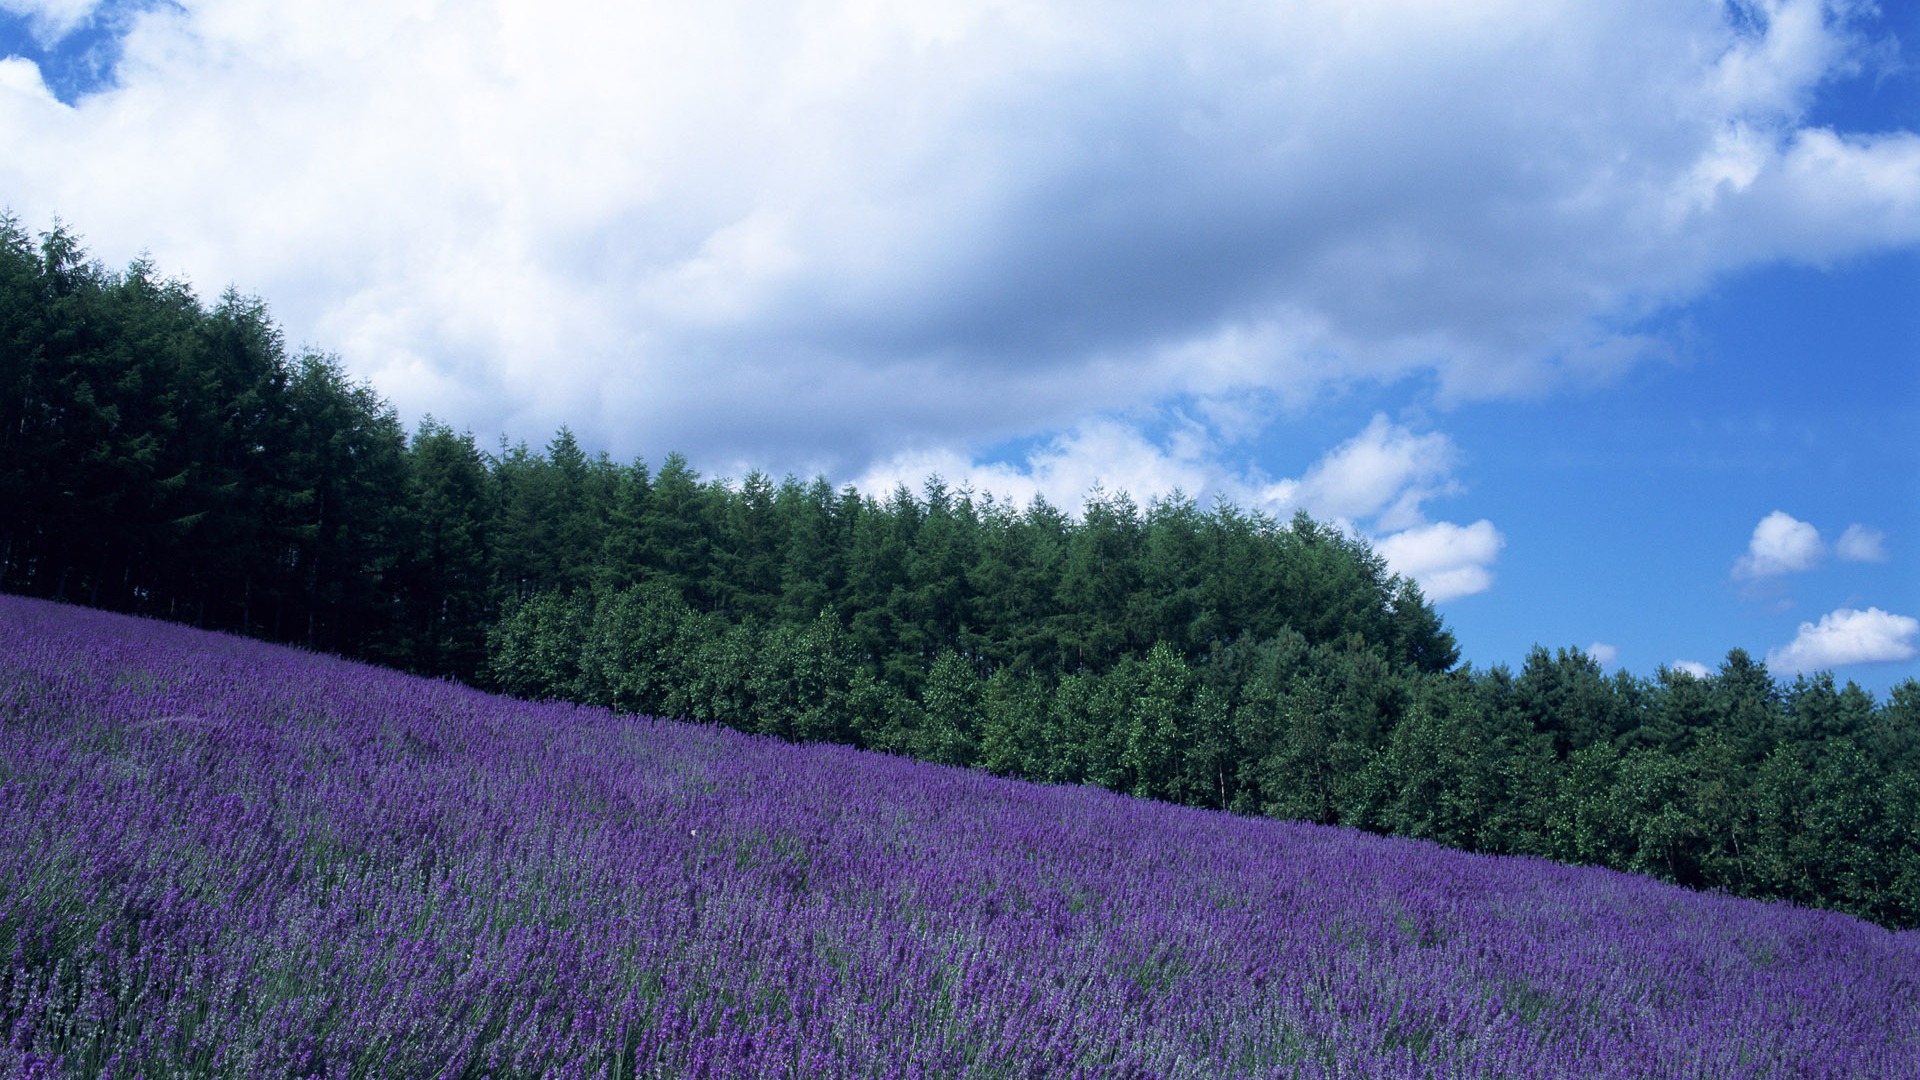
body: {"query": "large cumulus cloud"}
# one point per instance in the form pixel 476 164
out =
pixel 825 233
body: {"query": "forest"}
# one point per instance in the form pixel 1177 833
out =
pixel 168 458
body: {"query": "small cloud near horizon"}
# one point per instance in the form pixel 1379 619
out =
pixel 1374 485
pixel 1447 561
pixel 1848 636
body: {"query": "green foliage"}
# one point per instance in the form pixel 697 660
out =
pixel 1439 775
pixel 1565 695
pixel 640 649
pixel 803 681
pixel 950 707
pixel 443 574
pixel 535 650
pixel 1014 734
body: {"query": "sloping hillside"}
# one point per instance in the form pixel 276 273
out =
pixel 219 857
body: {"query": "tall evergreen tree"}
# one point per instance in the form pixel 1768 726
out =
pixel 678 544
pixel 622 560
pixel 444 569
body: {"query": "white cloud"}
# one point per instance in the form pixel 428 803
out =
pixel 1374 482
pixel 1447 561
pixel 1781 544
pixel 1372 485
pixel 1845 637
pixel 21 81
pixel 1102 452
pixel 1692 667
pixel 1385 472
pixel 1862 544
pixel 830 231
pixel 1603 653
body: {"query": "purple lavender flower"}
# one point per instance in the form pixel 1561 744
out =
pixel 223 858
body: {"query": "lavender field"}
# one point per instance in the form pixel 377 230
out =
pixel 220 858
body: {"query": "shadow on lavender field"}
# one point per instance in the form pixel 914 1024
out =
pixel 222 858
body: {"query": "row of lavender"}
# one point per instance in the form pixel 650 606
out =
pixel 222 858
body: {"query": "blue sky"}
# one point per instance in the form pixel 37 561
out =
pixel 1599 319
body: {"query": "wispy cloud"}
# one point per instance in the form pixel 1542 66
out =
pixel 1846 637
pixel 1384 474
pixel 1862 544
pixel 51 20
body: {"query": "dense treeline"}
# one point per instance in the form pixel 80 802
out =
pixel 162 457
pixel 168 459
pixel 1808 792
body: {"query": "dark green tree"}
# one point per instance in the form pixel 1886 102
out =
pixel 443 570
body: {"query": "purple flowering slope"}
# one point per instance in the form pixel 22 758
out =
pixel 223 858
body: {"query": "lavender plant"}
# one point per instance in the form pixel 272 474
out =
pixel 221 858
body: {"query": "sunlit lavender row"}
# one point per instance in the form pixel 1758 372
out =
pixel 223 858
